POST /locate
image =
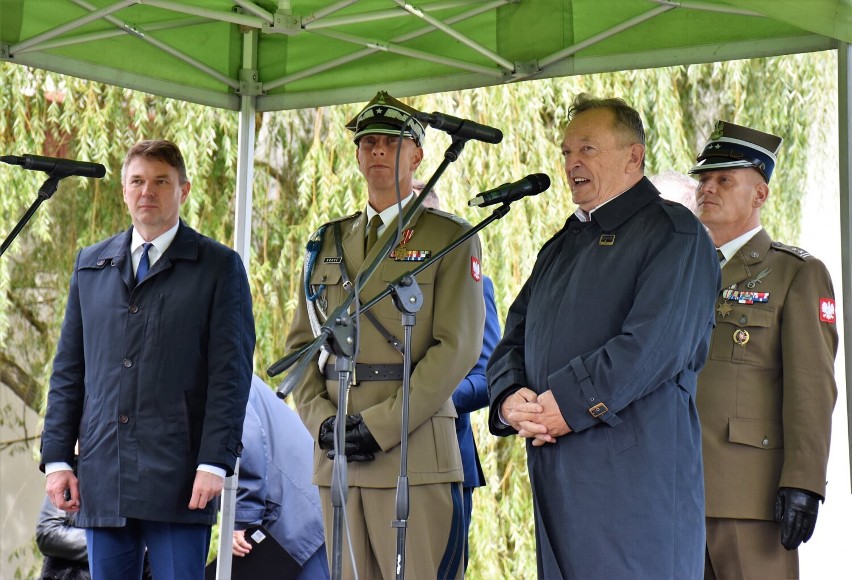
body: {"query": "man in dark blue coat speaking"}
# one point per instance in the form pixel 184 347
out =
pixel 597 366
pixel 152 373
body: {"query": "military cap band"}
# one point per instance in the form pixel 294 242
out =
pixel 386 115
pixel 733 146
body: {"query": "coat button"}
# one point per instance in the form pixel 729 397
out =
pixel 575 231
pixel 133 309
pixel 123 419
pixel 128 363
pixel 765 441
pixel 743 319
pixel 112 263
pixel 101 262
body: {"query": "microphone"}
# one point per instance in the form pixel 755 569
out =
pixel 461 128
pixel 509 192
pixel 56 167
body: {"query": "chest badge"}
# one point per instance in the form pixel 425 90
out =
pixel 724 309
pixel 741 337
pixel 606 240
pixel 763 274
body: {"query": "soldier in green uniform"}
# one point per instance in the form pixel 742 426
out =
pixel 446 342
pixel 766 394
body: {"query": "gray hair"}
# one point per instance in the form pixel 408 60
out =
pixel 676 187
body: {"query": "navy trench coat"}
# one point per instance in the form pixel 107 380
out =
pixel 152 378
pixel 615 319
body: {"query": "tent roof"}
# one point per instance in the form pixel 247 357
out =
pixel 301 53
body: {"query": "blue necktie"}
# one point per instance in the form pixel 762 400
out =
pixel 142 270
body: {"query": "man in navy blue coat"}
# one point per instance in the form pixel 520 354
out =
pixel 151 374
pixel 598 362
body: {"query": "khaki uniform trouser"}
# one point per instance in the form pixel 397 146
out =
pixel 435 535
pixel 747 550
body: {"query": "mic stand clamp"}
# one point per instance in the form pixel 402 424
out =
pixel 408 299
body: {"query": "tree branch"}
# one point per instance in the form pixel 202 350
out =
pixel 21 382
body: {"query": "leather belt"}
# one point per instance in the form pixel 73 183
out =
pixel 368 372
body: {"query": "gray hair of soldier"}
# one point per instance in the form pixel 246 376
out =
pixel 678 187
pixel 627 119
pixel 431 200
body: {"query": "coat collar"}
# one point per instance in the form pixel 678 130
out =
pixel 354 233
pixel 739 267
pixel 117 252
pixel 626 205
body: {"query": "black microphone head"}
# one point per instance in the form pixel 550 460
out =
pixel 540 181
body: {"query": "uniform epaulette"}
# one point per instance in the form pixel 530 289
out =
pixel 451 216
pixel 317 235
pixel 798 252
pixel 343 219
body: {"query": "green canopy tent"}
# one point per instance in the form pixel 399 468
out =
pixel 264 55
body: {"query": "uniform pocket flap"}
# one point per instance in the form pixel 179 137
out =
pixel 328 274
pixel 756 433
pixel 749 315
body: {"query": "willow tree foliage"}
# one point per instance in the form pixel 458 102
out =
pixel 306 173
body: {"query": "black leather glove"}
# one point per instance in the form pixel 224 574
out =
pixel 326 434
pixel 360 443
pixel 796 510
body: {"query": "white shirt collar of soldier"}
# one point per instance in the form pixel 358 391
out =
pixel 729 249
pixel 160 244
pixel 389 214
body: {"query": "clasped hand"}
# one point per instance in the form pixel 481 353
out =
pixel 360 445
pixel 534 416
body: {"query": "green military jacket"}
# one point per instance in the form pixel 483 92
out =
pixel 766 394
pixel 446 341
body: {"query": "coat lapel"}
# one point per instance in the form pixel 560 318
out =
pixel 740 266
pixel 117 254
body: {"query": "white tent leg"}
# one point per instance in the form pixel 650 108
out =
pixel 844 109
pixel 242 245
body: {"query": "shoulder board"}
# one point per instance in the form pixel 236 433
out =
pixel 798 252
pixel 449 216
pixel 682 219
pixel 316 237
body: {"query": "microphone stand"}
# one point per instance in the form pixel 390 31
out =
pixel 338 332
pixel 408 299
pixel 48 188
